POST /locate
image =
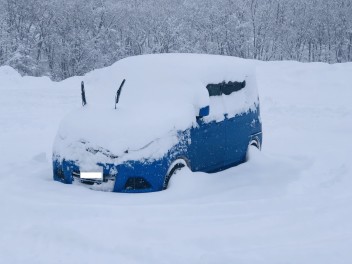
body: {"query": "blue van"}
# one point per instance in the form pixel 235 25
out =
pixel 163 125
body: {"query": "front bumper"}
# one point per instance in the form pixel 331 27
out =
pixel 129 177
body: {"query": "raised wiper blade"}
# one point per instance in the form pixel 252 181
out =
pixel 118 93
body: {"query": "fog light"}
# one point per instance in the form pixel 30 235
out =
pixel 137 183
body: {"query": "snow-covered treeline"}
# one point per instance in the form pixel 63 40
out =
pixel 63 38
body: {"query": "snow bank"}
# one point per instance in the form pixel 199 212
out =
pixel 162 94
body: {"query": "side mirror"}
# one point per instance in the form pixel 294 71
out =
pixel 204 111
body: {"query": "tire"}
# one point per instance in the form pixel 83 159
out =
pixel 173 169
pixel 253 145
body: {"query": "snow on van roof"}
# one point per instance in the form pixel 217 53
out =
pixel 163 93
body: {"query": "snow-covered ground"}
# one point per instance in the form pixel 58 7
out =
pixel 292 203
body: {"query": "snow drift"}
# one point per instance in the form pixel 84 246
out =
pixel 290 204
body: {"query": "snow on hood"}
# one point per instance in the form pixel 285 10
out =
pixel 162 94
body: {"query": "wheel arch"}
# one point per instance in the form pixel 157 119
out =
pixel 255 141
pixel 176 164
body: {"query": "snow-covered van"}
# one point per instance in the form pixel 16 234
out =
pixel 174 110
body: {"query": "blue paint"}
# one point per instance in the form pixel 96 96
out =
pixel 207 147
pixel 204 111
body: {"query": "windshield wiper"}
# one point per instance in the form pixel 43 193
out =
pixel 118 93
pixel 83 94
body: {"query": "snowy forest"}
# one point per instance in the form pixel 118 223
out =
pixel 63 38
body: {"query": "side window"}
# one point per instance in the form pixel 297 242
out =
pixel 225 88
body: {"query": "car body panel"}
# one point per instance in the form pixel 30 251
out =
pixel 205 112
pixel 207 147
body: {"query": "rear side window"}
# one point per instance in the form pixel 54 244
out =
pixel 225 88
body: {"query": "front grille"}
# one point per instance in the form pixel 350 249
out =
pixel 76 174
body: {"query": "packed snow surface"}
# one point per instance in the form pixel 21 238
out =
pixel 291 203
pixel 162 94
